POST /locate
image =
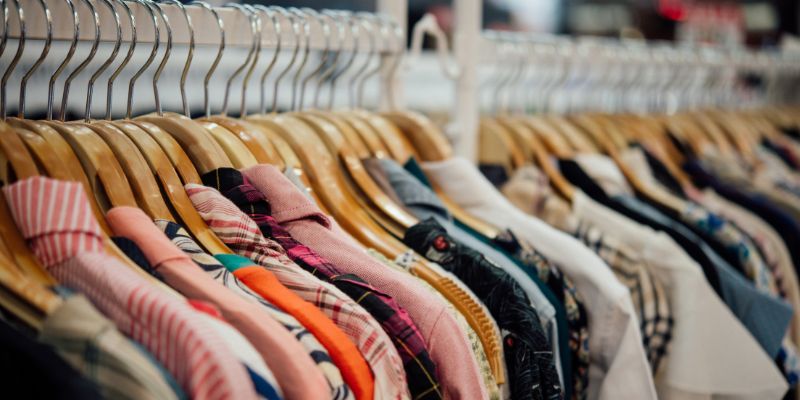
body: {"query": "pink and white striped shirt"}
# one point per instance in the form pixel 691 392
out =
pixel 56 220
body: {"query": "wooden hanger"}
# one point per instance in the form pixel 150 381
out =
pixel 257 144
pixel 431 145
pixel 325 176
pixel 194 139
pixel 234 148
pixel 20 166
pixel 29 301
pixel 145 189
pixel 399 147
pixel 428 140
pixel 17 155
pixel 496 146
pixel 549 135
pixel 575 137
pixel 401 220
pixel 523 136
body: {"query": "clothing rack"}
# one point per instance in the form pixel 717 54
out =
pixel 473 47
pixel 387 36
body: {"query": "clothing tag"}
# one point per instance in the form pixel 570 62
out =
pixel 406 260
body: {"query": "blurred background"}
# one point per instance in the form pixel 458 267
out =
pixel 752 22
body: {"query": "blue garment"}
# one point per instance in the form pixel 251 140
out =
pixel 780 220
pixel 263 387
pixel 765 317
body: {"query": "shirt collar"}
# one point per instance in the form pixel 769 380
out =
pixel 48 210
pixel 288 203
pixel 236 187
pixel 605 172
pixel 411 191
pixel 462 181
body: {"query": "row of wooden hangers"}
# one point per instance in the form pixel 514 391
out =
pixel 145 161
pixel 516 138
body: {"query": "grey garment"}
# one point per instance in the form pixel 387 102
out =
pixel 92 344
pixel 766 317
pixel 293 174
pixel 424 204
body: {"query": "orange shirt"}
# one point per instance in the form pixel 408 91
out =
pixel 343 352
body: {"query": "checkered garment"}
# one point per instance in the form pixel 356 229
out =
pixel 243 236
pixel 648 294
pixel 420 369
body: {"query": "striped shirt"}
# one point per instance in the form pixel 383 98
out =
pixel 242 235
pixel 56 220
pixel 295 370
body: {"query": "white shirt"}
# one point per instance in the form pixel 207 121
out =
pixel 712 355
pixel 618 366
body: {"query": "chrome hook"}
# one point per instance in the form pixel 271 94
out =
pixel 324 20
pixel 296 30
pixel 221 49
pixel 48 41
pixel 189 55
pixel 153 52
pixel 276 26
pixel 250 16
pixel 337 17
pixel 90 89
pixel 82 65
pixel 131 48
pixel 355 33
pixel 165 59
pixel 307 48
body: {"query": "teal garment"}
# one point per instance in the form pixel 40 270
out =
pixel 232 262
pixel 424 203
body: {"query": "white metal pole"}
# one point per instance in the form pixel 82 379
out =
pixel 463 129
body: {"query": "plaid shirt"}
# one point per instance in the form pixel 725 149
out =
pixel 243 236
pixel 219 273
pixel 420 369
pixel 565 291
pixel 648 294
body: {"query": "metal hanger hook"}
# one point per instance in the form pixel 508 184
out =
pixel 342 29
pixel 325 22
pixel 87 114
pixel 293 18
pixel 355 33
pixel 250 15
pixel 220 50
pixel 153 52
pixel 276 26
pixel 368 29
pixel 85 63
pixel 24 82
pixel 131 48
pixel 189 55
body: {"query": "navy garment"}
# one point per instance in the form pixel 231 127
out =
pixel 31 370
pixel 696 249
pixel 765 317
pixel 781 221
pixel 529 356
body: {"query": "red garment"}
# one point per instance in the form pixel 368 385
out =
pixel 57 221
pixel 293 367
